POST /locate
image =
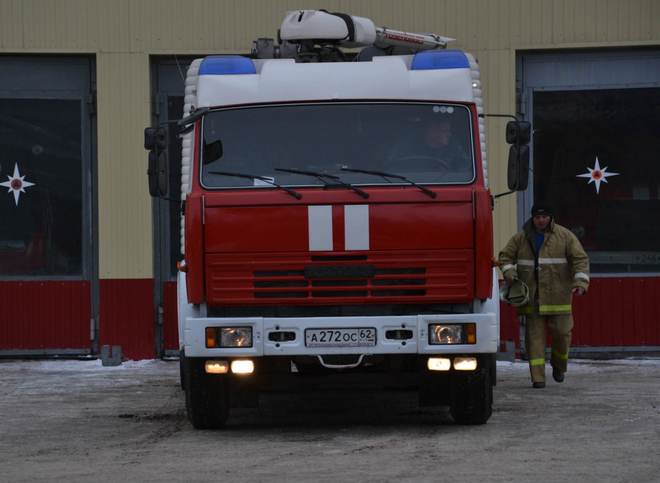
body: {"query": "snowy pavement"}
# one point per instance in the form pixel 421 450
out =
pixel 80 421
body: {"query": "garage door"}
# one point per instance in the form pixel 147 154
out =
pixel 46 174
pixel 595 118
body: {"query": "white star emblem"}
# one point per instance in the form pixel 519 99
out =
pixel 16 184
pixel 596 175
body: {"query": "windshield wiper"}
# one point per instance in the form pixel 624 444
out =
pixel 323 178
pixel 295 194
pixel 385 175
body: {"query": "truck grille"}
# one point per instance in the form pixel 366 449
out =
pixel 386 282
pixel 382 278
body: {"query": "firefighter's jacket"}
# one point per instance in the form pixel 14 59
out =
pixel 561 265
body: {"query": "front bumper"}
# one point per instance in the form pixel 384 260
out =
pixel 194 341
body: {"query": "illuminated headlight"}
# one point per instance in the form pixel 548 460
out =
pixel 228 337
pixel 242 367
pixel 465 363
pixel 216 367
pixel 438 364
pixel 444 334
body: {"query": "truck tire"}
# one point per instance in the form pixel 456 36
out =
pixel 207 396
pixel 472 397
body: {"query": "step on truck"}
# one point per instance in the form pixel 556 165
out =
pixel 337 220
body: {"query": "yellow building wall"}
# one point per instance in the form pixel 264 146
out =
pixel 123 34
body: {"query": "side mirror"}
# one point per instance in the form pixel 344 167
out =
pixel 518 132
pixel 518 168
pixel 155 140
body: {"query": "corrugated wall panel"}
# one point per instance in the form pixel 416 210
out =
pixel 45 315
pixel 618 312
pixel 11 29
pixel 126 316
pixel 170 322
pixel 125 220
pixel 231 25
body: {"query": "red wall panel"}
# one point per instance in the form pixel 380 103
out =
pixel 618 312
pixel 509 325
pixel 45 315
pixel 170 322
pixel 127 316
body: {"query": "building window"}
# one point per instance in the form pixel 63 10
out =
pixel 40 187
pixel 613 210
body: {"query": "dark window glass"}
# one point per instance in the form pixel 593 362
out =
pixel 428 143
pixel 41 187
pixel 614 215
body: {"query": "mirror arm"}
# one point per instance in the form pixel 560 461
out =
pixel 196 114
pixel 503 194
pixel 511 116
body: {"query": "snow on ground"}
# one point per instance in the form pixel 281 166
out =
pixel 78 421
pixel 586 365
pixel 92 372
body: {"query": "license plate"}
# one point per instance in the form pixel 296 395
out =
pixel 345 337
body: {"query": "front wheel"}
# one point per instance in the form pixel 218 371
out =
pixel 207 396
pixel 472 397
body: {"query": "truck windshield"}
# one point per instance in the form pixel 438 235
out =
pixel 427 143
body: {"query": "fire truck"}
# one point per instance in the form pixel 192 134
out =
pixel 337 220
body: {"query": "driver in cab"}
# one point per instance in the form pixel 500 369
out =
pixel 435 150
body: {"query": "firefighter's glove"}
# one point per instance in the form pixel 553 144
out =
pixel 578 291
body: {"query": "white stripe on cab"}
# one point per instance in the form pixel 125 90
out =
pixel 356 227
pixel 319 220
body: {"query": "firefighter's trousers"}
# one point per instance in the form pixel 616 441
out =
pixel 560 327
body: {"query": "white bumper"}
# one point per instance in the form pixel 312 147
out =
pixel 194 340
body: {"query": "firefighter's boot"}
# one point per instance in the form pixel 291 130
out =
pixel 557 375
pixel 561 327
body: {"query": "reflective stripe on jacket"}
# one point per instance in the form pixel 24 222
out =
pixel 562 265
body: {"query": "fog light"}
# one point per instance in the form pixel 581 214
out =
pixel 465 363
pixel 242 367
pixel 438 364
pixel 216 367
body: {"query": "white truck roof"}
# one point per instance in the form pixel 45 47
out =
pixel 439 75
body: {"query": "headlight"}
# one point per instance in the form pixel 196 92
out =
pixel 235 336
pixel 228 337
pixel 444 334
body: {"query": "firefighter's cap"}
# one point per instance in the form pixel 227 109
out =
pixel 541 209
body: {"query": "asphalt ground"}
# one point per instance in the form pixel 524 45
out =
pixel 80 421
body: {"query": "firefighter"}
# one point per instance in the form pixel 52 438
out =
pixel 550 260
